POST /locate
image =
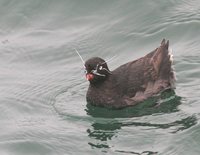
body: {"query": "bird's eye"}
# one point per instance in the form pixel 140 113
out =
pixel 100 67
pixel 85 71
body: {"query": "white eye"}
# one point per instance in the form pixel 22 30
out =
pixel 100 67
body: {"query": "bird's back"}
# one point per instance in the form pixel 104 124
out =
pixel 135 76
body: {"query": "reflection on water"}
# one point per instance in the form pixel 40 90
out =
pixel 103 132
pixel 109 122
pixel 135 153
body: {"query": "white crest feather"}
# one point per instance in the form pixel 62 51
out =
pixel 106 61
pixel 80 57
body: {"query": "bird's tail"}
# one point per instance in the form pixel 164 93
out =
pixel 162 62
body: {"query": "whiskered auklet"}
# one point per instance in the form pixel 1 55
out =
pixel 132 82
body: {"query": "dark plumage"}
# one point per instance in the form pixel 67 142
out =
pixel 132 82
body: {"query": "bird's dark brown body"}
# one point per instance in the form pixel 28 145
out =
pixel 132 82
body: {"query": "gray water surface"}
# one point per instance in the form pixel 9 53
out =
pixel 43 86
